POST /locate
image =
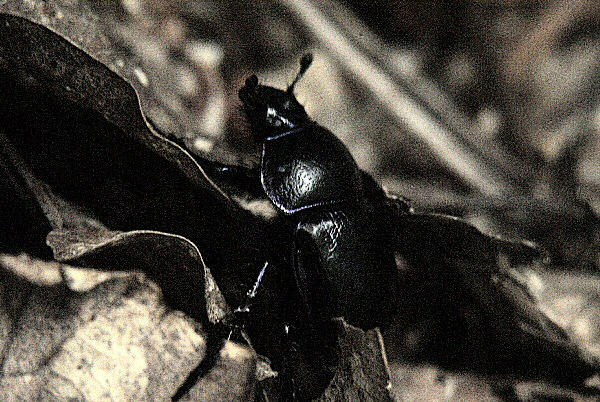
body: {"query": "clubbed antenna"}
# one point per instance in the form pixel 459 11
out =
pixel 305 63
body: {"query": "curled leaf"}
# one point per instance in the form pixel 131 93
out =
pixel 77 128
pixel 170 260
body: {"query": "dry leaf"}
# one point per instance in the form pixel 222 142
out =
pixel 115 340
pixel 472 302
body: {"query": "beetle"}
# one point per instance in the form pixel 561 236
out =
pixel 310 176
pixel 339 256
pixel 333 244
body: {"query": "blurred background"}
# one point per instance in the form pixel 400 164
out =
pixel 488 110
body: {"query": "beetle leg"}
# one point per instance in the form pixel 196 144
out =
pixel 234 179
pixel 241 312
pixel 375 194
pixel 245 308
pixel 399 204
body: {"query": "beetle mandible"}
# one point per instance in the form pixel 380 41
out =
pixel 341 261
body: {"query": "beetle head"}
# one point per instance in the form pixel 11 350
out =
pixel 272 111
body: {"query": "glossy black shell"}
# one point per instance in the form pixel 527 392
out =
pixel 341 258
pixel 308 167
pixel 343 265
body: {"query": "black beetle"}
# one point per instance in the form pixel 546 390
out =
pixel 331 243
pixel 339 231
pixel 340 267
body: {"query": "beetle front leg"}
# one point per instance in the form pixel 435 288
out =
pixel 242 312
pixel 231 178
pixel 245 308
pixel 234 179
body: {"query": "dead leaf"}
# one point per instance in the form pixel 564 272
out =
pixel 572 301
pixel 170 260
pixel 79 129
pixel 424 383
pixel 115 340
pixel 232 378
pixel 474 304
pixel 362 373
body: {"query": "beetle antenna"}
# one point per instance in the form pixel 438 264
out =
pixel 305 63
